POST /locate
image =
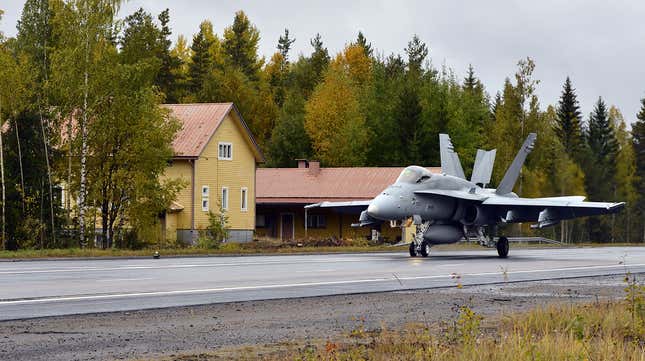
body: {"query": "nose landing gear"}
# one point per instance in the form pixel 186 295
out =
pixel 420 247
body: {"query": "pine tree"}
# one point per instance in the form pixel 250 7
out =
pixel 240 46
pixel 289 140
pixel 284 45
pixel 568 127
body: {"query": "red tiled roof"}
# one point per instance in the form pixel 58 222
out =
pixel 300 185
pixel 199 122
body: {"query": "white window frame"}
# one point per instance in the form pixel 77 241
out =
pixel 225 199
pixel 219 151
pixel 205 204
pixel 205 191
pixel 244 195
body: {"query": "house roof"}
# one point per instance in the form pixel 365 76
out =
pixel 199 123
pixel 304 185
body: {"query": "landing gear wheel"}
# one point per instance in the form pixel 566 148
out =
pixel 413 249
pixel 425 249
pixel 502 247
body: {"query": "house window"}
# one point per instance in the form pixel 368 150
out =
pixel 316 221
pixel 260 221
pixel 205 200
pixel 225 151
pixel 225 198
pixel 244 199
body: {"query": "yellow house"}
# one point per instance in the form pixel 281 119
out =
pixel 216 155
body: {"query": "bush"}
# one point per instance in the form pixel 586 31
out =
pixel 216 232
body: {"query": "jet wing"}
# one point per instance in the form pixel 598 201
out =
pixel 548 211
pixel 453 194
pixel 350 204
pixel 450 163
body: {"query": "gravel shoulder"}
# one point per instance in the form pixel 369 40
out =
pixel 234 327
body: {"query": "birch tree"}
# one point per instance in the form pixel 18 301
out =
pixel 86 29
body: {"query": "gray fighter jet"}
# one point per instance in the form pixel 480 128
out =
pixel 447 208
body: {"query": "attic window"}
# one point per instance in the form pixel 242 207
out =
pixel 225 151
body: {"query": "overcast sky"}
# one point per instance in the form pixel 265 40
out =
pixel 599 44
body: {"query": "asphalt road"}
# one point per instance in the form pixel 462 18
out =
pixel 62 287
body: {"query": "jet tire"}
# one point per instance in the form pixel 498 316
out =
pixel 425 249
pixel 502 247
pixel 413 249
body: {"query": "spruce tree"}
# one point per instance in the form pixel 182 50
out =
pixel 638 139
pixel 166 78
pixel 568 125
pixel 600 166
pixel 601 138
pixel 202 62
pixel 417 52
pixel 240 45
pixel 362 42
pixel 319 59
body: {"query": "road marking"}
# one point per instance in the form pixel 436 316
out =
pixel 289 285
pixel 206 265
pixel 124 279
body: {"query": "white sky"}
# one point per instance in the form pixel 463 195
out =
pixel 599 44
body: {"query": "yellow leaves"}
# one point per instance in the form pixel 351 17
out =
pixel 354 63
pixel 335 123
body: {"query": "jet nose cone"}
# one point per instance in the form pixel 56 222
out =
pixel 377 208
pixel 372 209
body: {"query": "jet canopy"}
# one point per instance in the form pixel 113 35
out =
pixel 414 174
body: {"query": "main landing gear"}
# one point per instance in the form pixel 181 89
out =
pixel 487 240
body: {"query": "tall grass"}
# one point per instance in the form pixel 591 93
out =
pixel 598 331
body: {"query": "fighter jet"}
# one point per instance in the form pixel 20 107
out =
pixel 447 208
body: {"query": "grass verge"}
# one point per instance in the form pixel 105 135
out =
pixel 258 247
pixel 593 331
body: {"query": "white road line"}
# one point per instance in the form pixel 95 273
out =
pixel 206 265
pixel 124 279
pixel 289 285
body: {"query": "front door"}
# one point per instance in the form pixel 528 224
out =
pixel 287 226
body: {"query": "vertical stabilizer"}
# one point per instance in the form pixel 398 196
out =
pixel 450 163
pixel 483 168
pixel 508 182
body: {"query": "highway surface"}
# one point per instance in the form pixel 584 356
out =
pixel 61 287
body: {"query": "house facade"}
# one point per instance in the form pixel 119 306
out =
pixel 282 194
pixel 216 156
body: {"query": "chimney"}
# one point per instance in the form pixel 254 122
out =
pixel 302 163
pixel 314 167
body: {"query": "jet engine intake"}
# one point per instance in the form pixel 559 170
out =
pixel 473 214
pixel 443 233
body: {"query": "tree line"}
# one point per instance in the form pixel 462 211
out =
pixel 80 119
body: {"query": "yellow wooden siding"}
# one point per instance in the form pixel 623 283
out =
pixel 234 174
pixel 182 169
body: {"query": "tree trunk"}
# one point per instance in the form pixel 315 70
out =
pixel 22 174
pixel 4 197
pixel 83 180
pixel 49 177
